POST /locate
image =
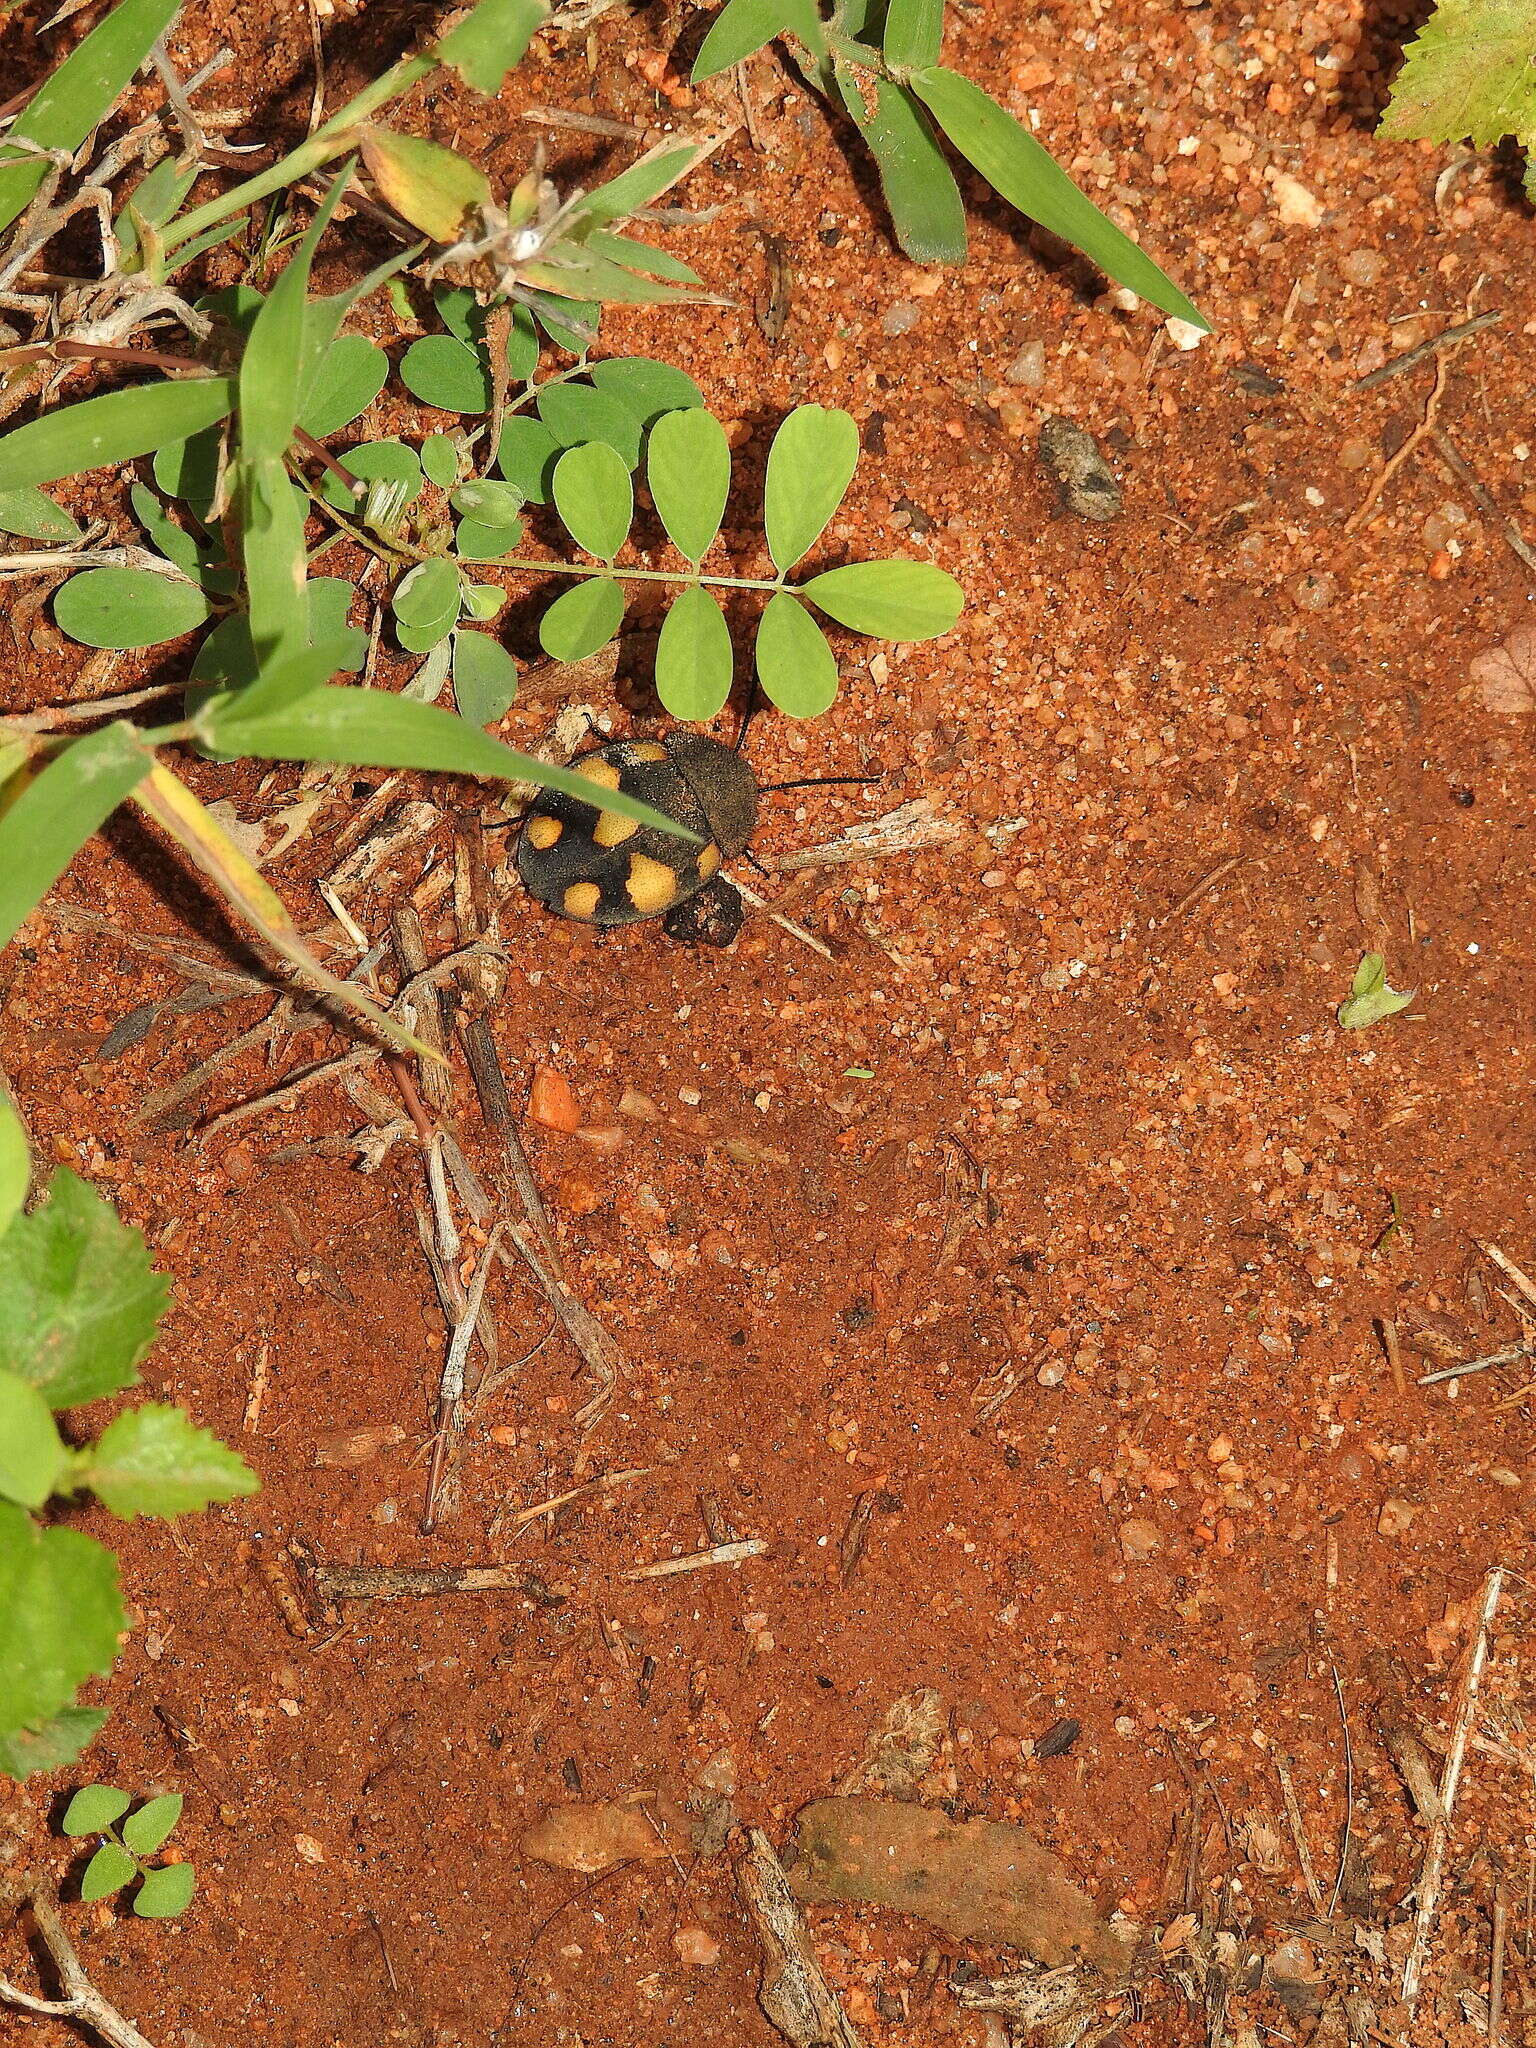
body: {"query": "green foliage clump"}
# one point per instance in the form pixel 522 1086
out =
pixel 1469 75
pixel 79 1307
pixel 163 1889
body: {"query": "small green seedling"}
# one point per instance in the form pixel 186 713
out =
pixel 164 1889
pixel 79 1306
pixel 1370 999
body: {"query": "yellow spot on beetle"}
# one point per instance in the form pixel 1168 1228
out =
pixel 543 832
pixel 612 830
pixel 603 773
pixel 581 899
pixel 648 750
pixel 650 886
pixel 709 860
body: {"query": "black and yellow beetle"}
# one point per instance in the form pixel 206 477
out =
pixel 598 867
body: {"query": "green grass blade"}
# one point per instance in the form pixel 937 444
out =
pixel 927 210
pixel 48 823
pixel 1028 177
pixel 743 26
pixel 80 93
pixel 377 729
pixel 117 427
pixel 914 32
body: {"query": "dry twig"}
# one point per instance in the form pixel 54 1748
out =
pixel 81 2000
pixel 696 1560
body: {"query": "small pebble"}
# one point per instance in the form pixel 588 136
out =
pixel 1089 487
pixel 1052 1373
pixel 697 1947
pixel 1313 591
pixel 902 317
pixel 1395 1518
pixel 1296 206
pixel 1028 366
pixel 1363 266
pixel 578 1197
pixel 1139 1538
pixel 552 1103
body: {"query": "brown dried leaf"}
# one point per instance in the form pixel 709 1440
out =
pixel 900 1752
pixel 1506 674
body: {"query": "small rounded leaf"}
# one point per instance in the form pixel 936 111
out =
pixel 810 466
pixel 441 371
pixel 694 657
pixel 488 502
pixel 896 600
pixel 795 666
pixel 144 1831
pixel 482 600
pixel 166 1891
pixel 688 467
pixel 595 498
pixel 374 461
pixel 648 388
pixel 426 592
pixel 93 1808
pixel 32 1452
pixel 484 677
pixel 582 619
pixel 575 413
pixel 107 1872
pixel 431 633
pixel 351 374
pixel 473 542
pixel 127 608
pixel 526 456
pixel 440 460
pixel 189 469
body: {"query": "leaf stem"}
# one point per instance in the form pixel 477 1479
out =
pixel 697 576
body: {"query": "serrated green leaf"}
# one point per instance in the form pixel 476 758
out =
pixel 15 1164
pixel 428 184
pixel 93 1809
pixel 489 503
pixel 694 657
pixel 79 1299
pixel 926 207
pixel 526 456
pixel 1024 173
pixel 60 1617
pixel 32 1453
pixel 810 466
pixel 1370 999
pixel 115 428
pixel 36 517
pixel 484 678
pixel 582 619
pixel 348 378
pixel 107 1872
pixel 144 1831
pixel 441 371
pixel 377 729
pixel 53 1744
pixel 43 828
pixel 166 1891
pixel 795 666
pixel 153 1460
pixel 914 31
pixel 426 592
pixel 595 498
pixel 648 388
pixel 895 600
pixel 78 94
pixel 1469 75
pixel 743 26
pixel 490 40
pixel 127 608
pixel 575 413
pixel 688 467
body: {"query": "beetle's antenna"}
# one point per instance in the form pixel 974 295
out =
pixel 754 698
pixel 820 781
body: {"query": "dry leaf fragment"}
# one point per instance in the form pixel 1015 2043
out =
pixel 1506 674
pixel 592 1837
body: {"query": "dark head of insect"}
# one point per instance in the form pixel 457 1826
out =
pixel 600 868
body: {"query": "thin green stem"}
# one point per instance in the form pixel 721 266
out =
pixel 333 139
pixel 639 575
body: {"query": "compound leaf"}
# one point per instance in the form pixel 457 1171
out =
pixel 440 370
pixel 694 657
